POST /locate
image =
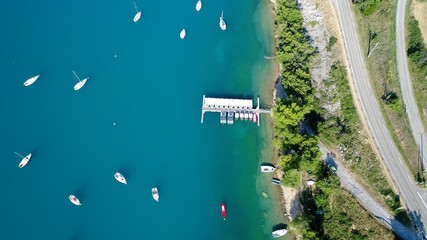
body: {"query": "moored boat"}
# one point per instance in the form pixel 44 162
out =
pixel 276 181
pixel 155 194
pixel 223 117
pixel 236 115
pixel 74 200
pixel 182 34
pixel 222 23
pixel 230 117
pixel 223 211
pixel 254 118
pixel 279 233
pixel 31 80
pixel 137 15
pixel 246 116
pixel 119 177
pixel 80 83
pixel 24 160
pixel 199 5
pixel 267 168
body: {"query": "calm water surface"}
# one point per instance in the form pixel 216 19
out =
pixel 150 84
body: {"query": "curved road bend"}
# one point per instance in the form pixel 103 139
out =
pixel 369 203
pixel 405 79
pixel 370 108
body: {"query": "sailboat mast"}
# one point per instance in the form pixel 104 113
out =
pixel 76 76
pixel 135 6
pixel 19 154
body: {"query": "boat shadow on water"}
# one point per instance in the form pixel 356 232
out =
pixel 279 226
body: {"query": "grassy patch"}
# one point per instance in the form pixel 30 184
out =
pixel 382 69
pixel 417 53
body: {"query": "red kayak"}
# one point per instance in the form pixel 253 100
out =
pixel 223 211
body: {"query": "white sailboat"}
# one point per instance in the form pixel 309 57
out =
pixel 31 80
pixel 222 24
pixel 119 177
pixel 80 83
pixel 155 194
pixel 24 160
pixel 137 15
pixel 182 34
pixel 199 5
pixel 74 200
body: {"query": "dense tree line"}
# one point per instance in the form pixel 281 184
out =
pixel 300 153
pixel 294 53
pixel 417 51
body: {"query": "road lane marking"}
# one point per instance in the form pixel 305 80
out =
pixel 411 182
pixel 419 195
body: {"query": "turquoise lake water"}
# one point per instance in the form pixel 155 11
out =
pixel 150 83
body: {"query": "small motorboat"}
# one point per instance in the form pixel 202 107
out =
pixel 254 119
pixel 199 5
pixel 24 160
pixel 279 233
pixel 236 115
pixel 31 80
pixel 138 13
pixel 182 34
pixel 267 168
pixel 223 211
pixel 74 200
pixel 276 181
pixel 155 194
pixel 119 177
pixel 222 24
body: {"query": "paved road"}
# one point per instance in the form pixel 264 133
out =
pixel 374 119
pixel 364 199
pixel 405 80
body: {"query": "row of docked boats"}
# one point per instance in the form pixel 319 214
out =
pixel 80 82
pixel 229 117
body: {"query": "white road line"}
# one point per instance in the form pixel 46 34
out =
pixel 411 181
pixel 419 195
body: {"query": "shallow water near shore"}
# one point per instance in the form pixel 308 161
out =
pixel 138 114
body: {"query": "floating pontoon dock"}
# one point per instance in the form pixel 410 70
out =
pixel 230 108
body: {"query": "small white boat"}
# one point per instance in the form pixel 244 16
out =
pixel 80 83
pixel 31 80
pixel 137 15
pixel 310 182
pixel 24 160
pixel 250 115
pixel 119 177
pixel 74 200
pixel 182 34
pixel 279 233
pixel 155 194
pixel 267 168
pixel 246 115
pixel 199 5
pixel 222 24
pixel 236 115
